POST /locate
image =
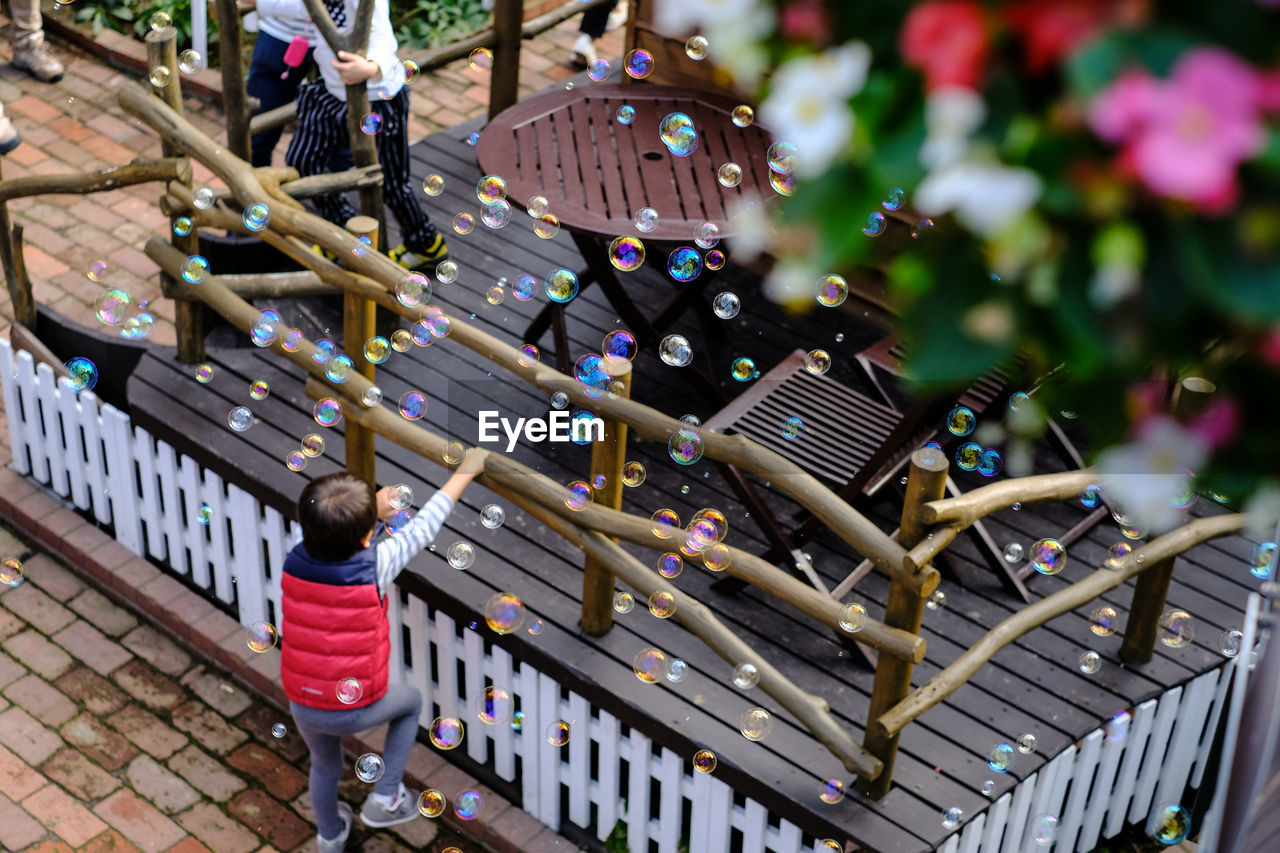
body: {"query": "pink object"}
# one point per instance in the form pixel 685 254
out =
pixel 295 53
pixel 948 41
pixel 1185 136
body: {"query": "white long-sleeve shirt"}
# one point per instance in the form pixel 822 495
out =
pixel 382 46
pixel 395 552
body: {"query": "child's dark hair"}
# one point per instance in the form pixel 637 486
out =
pixel 336 511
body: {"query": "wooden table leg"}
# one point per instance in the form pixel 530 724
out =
pixel 594 253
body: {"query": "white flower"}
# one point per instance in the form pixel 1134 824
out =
pixel 735 47
pixel 752 229
pixel 791 283
pixel 951 115
pixel 1263 509
pixel 1144 478
pixel 986 196
pixel 680 18
pixel 808 104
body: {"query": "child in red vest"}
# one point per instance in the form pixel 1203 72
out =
pixel 336 644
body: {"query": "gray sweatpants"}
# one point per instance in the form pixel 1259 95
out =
pixel 323 731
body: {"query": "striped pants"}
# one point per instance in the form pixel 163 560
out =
pixel 322 126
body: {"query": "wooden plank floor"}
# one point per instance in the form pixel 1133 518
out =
pixel 1033 686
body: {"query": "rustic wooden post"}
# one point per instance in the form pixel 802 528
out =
pixel 235 103
pixel 24 305
pixel 508 17
pixel 188 317
pixel 607 457
pixel 1151 590
pixel 926 482
pixel 358 319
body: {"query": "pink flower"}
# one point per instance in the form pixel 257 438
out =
pixel 1184 137
pixel 948 41
pixel 1052 29
pixel 806 20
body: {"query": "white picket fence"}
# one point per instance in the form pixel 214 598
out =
pixel 89 453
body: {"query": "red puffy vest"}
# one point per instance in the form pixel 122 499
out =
pixel 333 627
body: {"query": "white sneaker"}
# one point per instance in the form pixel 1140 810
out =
pixel 618 17
pixel 584 51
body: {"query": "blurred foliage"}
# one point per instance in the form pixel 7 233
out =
pixel 431 23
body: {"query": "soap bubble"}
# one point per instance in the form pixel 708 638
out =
pixel 696 48
pixel 852 618
pixel 190 61
pixel 745 676
pixel 1172 824
pixel 665 523
pixel 240 418
pixel 646 219
pixel 461 555
pixel 961 421
pixel 638 64
pixel 377 349
pixel 182 226
pixel 159 76
pixel 726 305
pixel 817 361
pixel 496 215
pixel 1044 832
pixel 349 690
pixel 685 446
pixel 937 601
pixel 678 133
pixel 370 124
pixel 755 724
pixel 468 805
pixel 988 788
pixel 704 761
pixel 203 198
pixel 112 306
pixel 1117 728
pixel 1048 557
pixel 504 613
pixel 433 184
pixel 491 189
pixel 1090 497
pixel 1027 744
pixel 411 71
pixel 160 20
pixel 729 175
pixel 278 730
pixel 670 565
pixel 312 444
pixel 546 226
pixel 743 115
pixel 525 288
pixel 875 224
pixel 743 369
pixel 447 272
pixel 626 253
pixel 625 114
pixel 707 235
pixel 1000 758
pixel 401 496
pixel 684 264
pixel 370 767
pixel 412 405
pixel 558 733
pixel 204 373
pixel 1177 628
pixel 431 803
pixel 1103 621
pixel 446 732
pixel 1118 555
pixel 623 602
pixel 262 637
pixel 831 791
pixel 662 604
pixel 990 462
pixel 535 627
pixel 1013 552
pixel 492 516
pixel 1262 560
pixel 598 70
pixel 675 351
pixel 1090 662
pixel 481 59
pixel 258 389
pixel 204 514
pixel 561 285
pixel 464 223
pixel 832 290
pixel 295 460
pixel 11 573
pixel 195 269
pixel 494 706
pixel 372 396
pixel 650 665
pixel 952 817
pixel 580 494
pixel 413 289
pixel 1229 642
pixel 82 375
pixel 473 138
pixel 968 455
pixel 257 216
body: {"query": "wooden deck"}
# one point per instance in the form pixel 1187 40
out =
pixel 1034 686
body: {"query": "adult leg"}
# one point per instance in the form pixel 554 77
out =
pixel 26 35
pixel 416 229
pixel 326 769
pixel 322 123
pixel 595 19
pixel 274 84
pixel 9 136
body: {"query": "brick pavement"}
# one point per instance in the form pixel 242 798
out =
pixel 75 125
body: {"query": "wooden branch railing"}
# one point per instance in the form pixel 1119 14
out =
pixel 1034 615
pixel 139 171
